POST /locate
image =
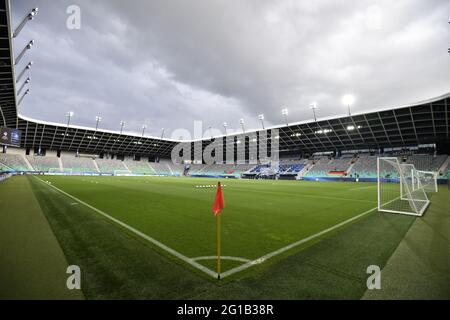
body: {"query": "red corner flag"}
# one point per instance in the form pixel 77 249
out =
pixel 218 202
pixel 218 206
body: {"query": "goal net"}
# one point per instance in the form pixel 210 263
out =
pixel 122 173
pixel 399 188
pixel 428 180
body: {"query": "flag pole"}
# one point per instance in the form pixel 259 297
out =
pixel 218 206
pixel 218 246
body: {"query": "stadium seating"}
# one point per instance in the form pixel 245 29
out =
pixel 110 165
pixel 177 169
pixel 325 167
pixel 14 161
pixel 4 176
pixel 78 164
pixel 446 173
pixel 139 167
pixel 162 168
pixel 197 169
pixel 426 162
pixel 365 167
pixel 43 163
pixel 228 169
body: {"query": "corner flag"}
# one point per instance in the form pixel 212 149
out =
pixel 218 202
pixel 218 206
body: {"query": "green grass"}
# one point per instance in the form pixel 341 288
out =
pixel 32 264
pixel 260 216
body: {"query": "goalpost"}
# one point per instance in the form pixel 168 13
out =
pixel 122 173
pixel 428 180
pixel 400 188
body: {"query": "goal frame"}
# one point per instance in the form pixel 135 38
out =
pixel 405 192
pixel 434 185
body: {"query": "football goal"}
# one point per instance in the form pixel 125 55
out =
pixel 428 180
pixel 122 173
pixel 400 188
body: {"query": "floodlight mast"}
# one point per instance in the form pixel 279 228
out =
pixel 30 16
pixel 313 106
pixel 97 121
pixel 23 85
pixel 27 67
pixel 261 118
pixel 69 117
pixel 242 122
pixel 23 96
pixel 143 129
pixel 122 124
pixel 162 133
pixel 225 125
pixel 348 100
pixel 21 54
pixel 285 113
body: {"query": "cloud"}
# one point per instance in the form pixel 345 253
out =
pixel 169 63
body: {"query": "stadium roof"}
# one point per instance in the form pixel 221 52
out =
pixel 8 110
pixel 421 123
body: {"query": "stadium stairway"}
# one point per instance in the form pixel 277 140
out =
pixel 61 167
pixel 126 167
pixel 30 167
pixel 305 170
pixel 444 166
pixel 96 165
pixel 148 164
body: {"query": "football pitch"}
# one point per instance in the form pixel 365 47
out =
pixel 263 219
pixel 155 238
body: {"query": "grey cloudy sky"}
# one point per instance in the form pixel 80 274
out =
pixel 168 63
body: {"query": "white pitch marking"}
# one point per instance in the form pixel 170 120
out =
pixel 360 188
pixel 199 266
pixel 292 245
pixel 142 235
pixel 221 257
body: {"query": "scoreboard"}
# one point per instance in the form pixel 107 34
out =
pixel 10 137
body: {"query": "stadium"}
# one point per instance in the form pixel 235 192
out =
pixel 311 207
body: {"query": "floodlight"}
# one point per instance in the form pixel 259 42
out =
pixel 348 100
pixel 242 122
pixel 313 106
pixel 27 67
pixel 27 47
pixel 30 16
pixel 261 117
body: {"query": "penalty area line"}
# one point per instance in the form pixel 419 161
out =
pixel 292 245
pixel 138 233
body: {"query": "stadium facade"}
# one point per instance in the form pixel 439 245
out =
pixel 422 123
